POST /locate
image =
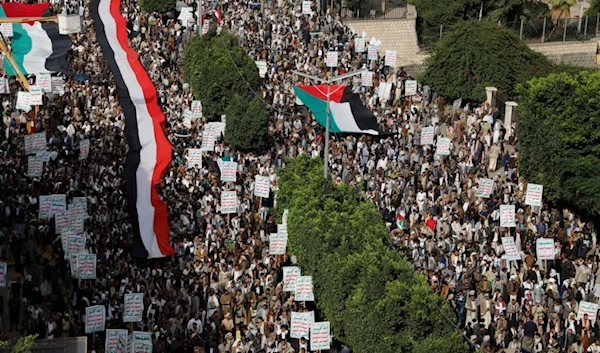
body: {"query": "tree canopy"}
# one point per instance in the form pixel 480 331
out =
pixel 247 123
pixel 21 345
pixel 559 139
pixel 478 54
pixel 160 6
pixel 365 288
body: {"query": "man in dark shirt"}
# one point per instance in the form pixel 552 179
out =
pixel 529 329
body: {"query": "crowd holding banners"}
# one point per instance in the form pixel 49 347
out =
pixel 222 290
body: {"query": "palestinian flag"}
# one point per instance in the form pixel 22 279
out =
pixel 37 47
pixel 348 114
pixel 401 220
pixel 149 151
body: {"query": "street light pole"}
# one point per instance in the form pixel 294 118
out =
pixel 200 19
pixel 328 82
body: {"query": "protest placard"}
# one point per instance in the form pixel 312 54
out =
pixel 35 166
pixel 507 216
pixel 75 244
pixel 141 348
pixel 300 324
pixel 36 95
pixel 3 271
pixel 262 68
pixel 86 266
pixel 44 81
pixel 116 341
pixel 77 223
pixel 485 187
pixel 290 274
pixel 284 217
pixel 228 202
pixel 229 171
pixel 372 52
pixel 261 186
pixel 443 146
pixel 50 204
pixel 216 128
pixel 196 109
pixel 187 122
pixel 6 29
pixel 78 206
pixel 58 85
pixel 23 101
pixel 544 248
pixel 4 86
pixel 360 45
pixel 304 289
pixel 65 233
pixel 194 157
pixel 320 336
pixel 84 149
pixel 61 221
pixel 410 87
pixel 591 309
pixel 277 244
pixel 512 253
pixel 134 307
pixel 208 141
pixel 533 197
pixel 597 290
pixel 95 317
pixel 306 7
pixel 427 134
pixel 35 143
pixel 332 59
pixel 390 58
pixel 366 79
pixel 141 337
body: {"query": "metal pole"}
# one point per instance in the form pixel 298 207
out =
pixel 580 17
pixel 441 31
pixel 521 31
pixel 481 10
pixel 327 130
pixel 585 27
pixel 597 23
pixel 565 31
pixel 544 31
pixel 200 18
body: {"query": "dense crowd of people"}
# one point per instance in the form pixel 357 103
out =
pixel 222 291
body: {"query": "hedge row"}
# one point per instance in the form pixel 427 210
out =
pixel 368 291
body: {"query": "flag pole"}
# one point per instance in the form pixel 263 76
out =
pixel 29 19
pixel 328 82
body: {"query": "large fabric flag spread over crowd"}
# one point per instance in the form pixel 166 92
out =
pixel 348 114
pixel 149 151
pixel 37 47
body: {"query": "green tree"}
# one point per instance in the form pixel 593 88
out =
pixel 160 6
pixel 594 8
pixel 561 8
pixel 469 59
pixel 559 139
pixel 247 123
pixel 367 290
pixel 217 69
pixel 22 345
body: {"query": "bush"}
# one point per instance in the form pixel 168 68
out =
pixel 367 290
pixel 160 6
pixel 246 123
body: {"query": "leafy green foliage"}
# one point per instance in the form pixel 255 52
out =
pixel 559 136
pixel 469 59
pixel 594 8
pixel 160 6
pixel 246 123
pixel 367 290
pixel 22 345
pixel 217 69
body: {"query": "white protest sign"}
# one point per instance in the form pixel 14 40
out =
pixel 73 263
pixel 427 135
pixel 300 324
pixel 64 235
pixel 360 45
pixel 507 216
pixel 290 274
pixel 86 266
pixel 544 248
pixel 534 194
pixel 332 59
pixel 35 143
pixel 187 122
pixel 443 146
pixel 372 52
pixel 262 68
pixel 44 81
pixel 61 221
pixel 261 186
pixel 35 166
pixel 134 307
pixel 114 338
pixel 216 128
pixel 141 348
pixel 485 187
pixel 4 87
pixel 306 7
pixel 277 243
pixel 76 222
pixel 410 88
pixel 320 336
pixel 208 141
pixel 23 101
pixel 45 155
pixel 58 85
pixel 228 202
pixel 588 308
pixel 84 149
pixel 75 244
pixel 194 157
pixel 512 253
pixel 95 317
pixel 597 290
pixel 3 271
pixel 456 105
pixel 196 109
pixel 390 58
pixel 228 171
pixel 141 337
pixel 366 79
pixel 36 95
pixel 304 289
pixel 50 204
pixel 6 29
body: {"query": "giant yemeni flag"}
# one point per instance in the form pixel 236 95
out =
pixel 149 151
pixel 348 114
pixel 37 47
